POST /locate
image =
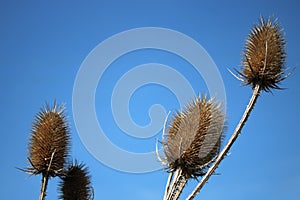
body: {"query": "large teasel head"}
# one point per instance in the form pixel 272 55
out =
pixel 50 141
pixel 194 137
pixel 75 183
pixel 264 56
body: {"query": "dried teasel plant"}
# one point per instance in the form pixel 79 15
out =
pixel 263 69
pixel 49 144
pixel 264 56
pixel 192 142
pixel 75 183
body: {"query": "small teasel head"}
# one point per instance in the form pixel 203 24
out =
pixel 194 137
pixel 75 183
pixel 264 56
pixel 49 142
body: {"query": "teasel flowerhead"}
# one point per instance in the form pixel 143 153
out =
pixel 264 56
pixel 50 141
pixel 194 137
pixel 75 183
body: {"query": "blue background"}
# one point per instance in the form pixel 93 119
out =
pixel 43 43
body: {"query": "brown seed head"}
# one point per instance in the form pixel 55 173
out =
pixel 76 184
pixel 194 137
pixel 50 139
pixel 264 56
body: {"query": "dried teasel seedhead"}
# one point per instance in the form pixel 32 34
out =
pixel 75 183
pixel 194 137
pixel 264 56
pixel 50 141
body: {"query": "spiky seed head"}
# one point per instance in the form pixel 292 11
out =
pixel 264 56
pixel 50 139
pixel 75 183
pixel 194 137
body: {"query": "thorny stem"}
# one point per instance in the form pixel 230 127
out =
pixel 45 179
pixel 223 153
pixel 177 186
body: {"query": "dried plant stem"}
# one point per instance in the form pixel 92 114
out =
pixel 237 131
pixel 168 184
pixel 44 186
pixel 172 183
pixel 177 186
pixel 45 179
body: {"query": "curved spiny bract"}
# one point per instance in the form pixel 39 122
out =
pixel 264 56
pixel 194 137
pixel 75 183
pixel 50 141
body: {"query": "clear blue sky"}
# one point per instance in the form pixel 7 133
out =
pixel 43 44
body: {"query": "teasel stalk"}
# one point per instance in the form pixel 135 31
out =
pixel 263 69
pixel 192 143
pixel 49 144
pixel 76 184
